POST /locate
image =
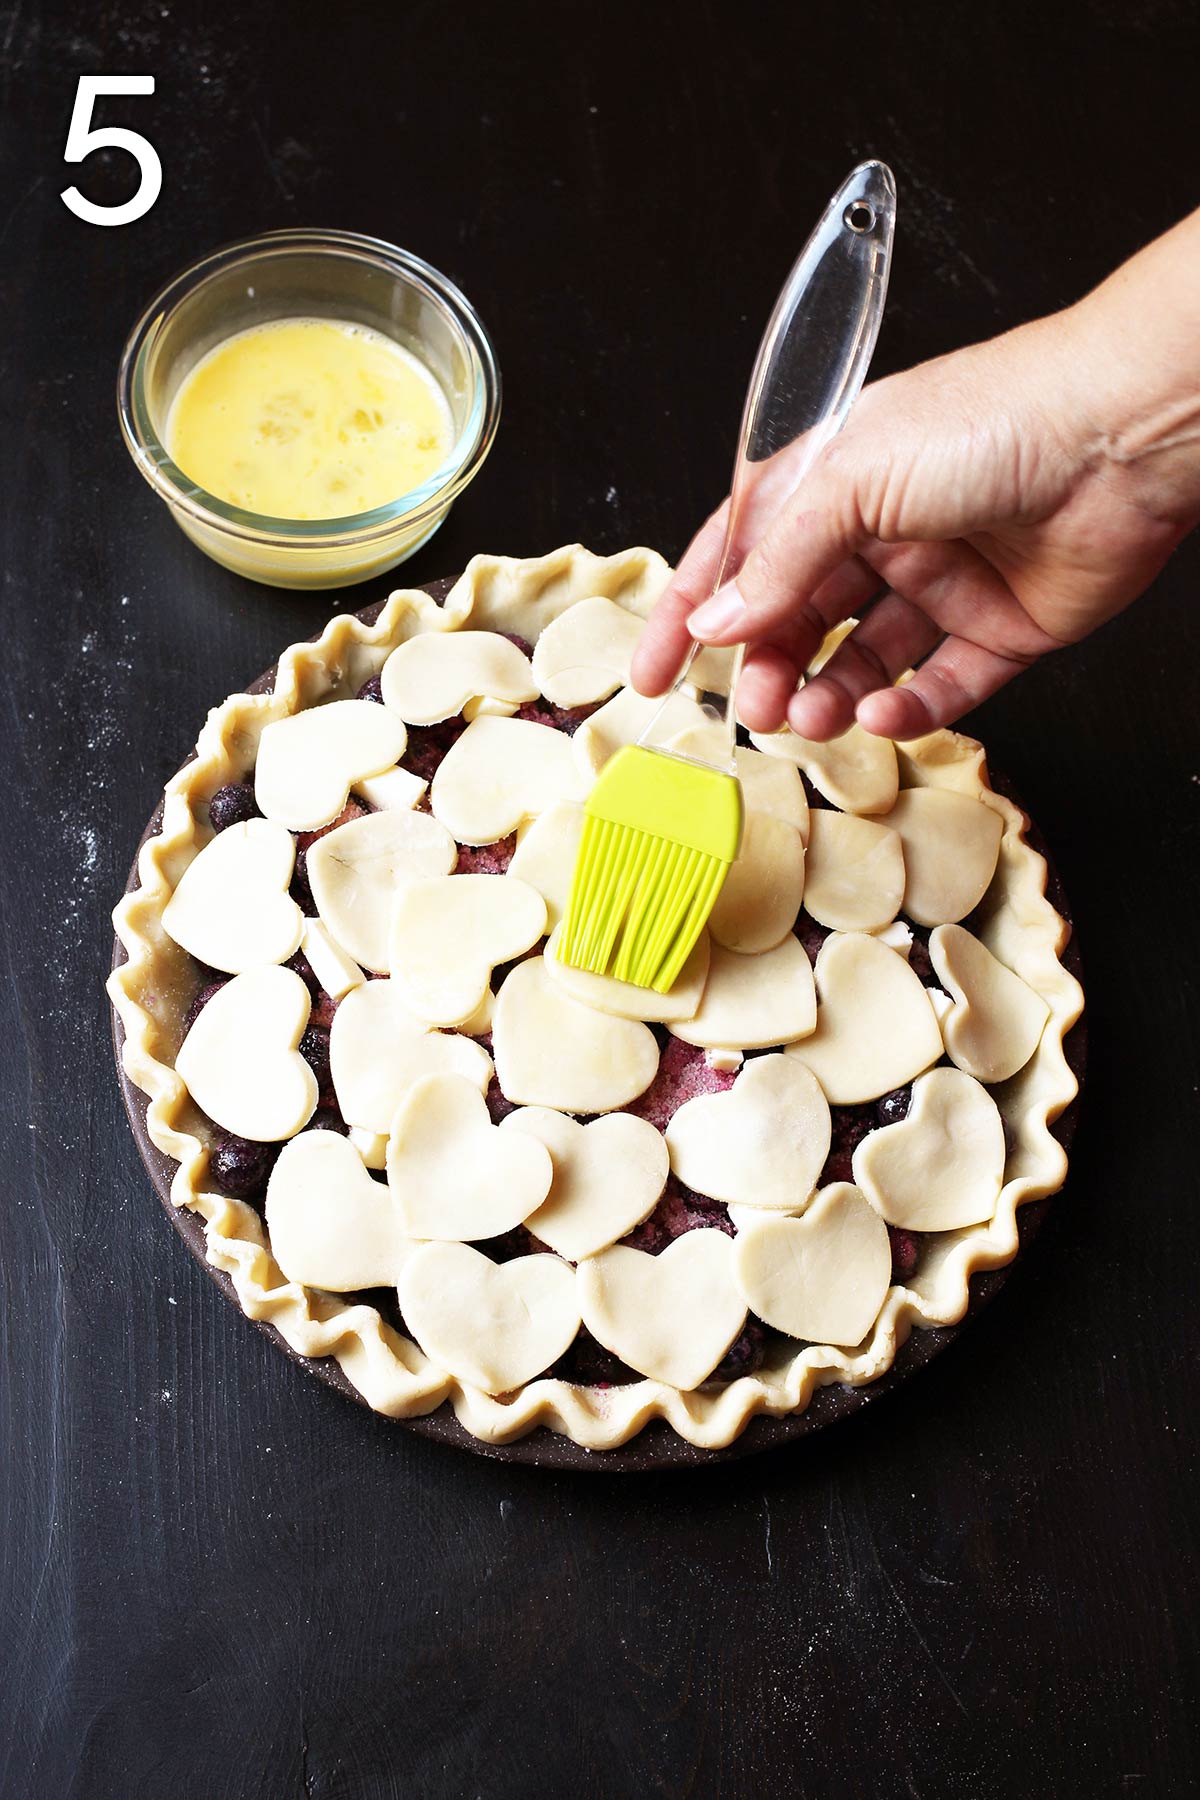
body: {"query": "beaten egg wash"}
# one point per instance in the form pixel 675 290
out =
pixel 309 419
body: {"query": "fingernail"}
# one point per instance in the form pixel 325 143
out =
pixel 725 611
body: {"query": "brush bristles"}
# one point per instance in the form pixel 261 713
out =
pixel 638 903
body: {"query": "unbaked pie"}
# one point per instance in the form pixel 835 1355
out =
pixel 423 1146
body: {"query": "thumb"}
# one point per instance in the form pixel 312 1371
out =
pixel 809 538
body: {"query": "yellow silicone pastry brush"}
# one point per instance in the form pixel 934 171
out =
pixel 662 829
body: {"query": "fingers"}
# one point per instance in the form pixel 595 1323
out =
pixel 958 676
pixel 666 641
pixel 894 635
pixel 800 550
pixel 763 493
pixel 773 670
pixel 768 683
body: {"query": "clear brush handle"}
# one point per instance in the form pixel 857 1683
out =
pixel 813 357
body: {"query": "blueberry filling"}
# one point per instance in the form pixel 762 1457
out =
pixel 745 1355
pixel 300 891
pixel 906 1254
pixel 314 1048
pixel 300 965
pixel 428 744
pixel 498 1104
pixel 200 1002
pixel 680 1210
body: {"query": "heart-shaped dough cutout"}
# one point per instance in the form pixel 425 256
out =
pixel 823 1276
pixel 770 784
pixel 671 1317
pixel 449 933
pixel 356 872
pixel 604 993
pixel 856 771
pixel 753 1002
pixel 758 902
pixel 336 972
pixel 240 1063
pixel 371 1146
pixel 499 773
pixel 951 844
pixel 608 1177
pixel 997 1020
pixel 854 877
pixel 231 907
pixel 396 790
pixel 378 1051
pixel 452 1173
pixel 762 1144
pixel 480 1022
pixel 584 655
pixel 434 675
pixel 494 1326
pixel 622 720
pixel 309 761
pixel 942 1166
pixel 330 1225
pixel 545 856
pixel 551 1051
pixel 876 1027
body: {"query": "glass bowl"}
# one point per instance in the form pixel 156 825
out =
pixel 308 274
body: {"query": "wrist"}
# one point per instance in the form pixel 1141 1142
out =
pixel 1133 371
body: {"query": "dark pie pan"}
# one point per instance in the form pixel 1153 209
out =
pixel 658 1446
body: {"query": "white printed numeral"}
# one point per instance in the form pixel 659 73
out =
pixel 82 140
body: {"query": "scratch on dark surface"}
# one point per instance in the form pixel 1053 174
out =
pixel 918 1634
pixel 18 203
pixel 272 165
pixel 767 1535
pixel 14 20
pixel 304 1770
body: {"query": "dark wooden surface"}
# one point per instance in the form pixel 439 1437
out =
pixel 218 1579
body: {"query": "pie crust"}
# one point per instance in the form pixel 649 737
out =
pixel 152 989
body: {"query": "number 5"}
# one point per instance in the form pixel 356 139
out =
pixel 81 141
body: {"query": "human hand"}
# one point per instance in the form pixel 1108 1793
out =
pixel 986 507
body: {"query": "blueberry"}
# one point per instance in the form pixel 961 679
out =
pixel 233 805
pixel 242 1168
pixel 200 1002
pixel 314 1048
pixel 894 1106
pixel 328 1118
pixel 372 690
